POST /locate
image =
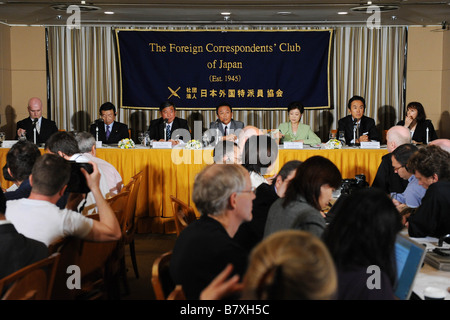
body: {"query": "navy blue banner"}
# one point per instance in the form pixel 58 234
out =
pixel 251 70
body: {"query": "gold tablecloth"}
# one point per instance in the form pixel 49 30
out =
pixel 172 172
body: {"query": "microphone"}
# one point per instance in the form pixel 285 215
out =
pixel 34 122
pixel 165 121
pixel 98 121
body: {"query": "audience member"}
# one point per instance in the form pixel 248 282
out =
pixel 288 265
pixel 225 123
pixel 64 144
pixel 44 127
pixel 363 234
pixel 19 162
pixel 162 129
pixel 244 134
pixel 16 250
pixel 223 195
pixel 443 143
pixel 258 157
pixel 38 217
pixel 295 131
pixel 86 144
pixel 367 129
pixel 250 233
pixel 227 152
pixel 386 179
pixel 413 194
pixel 309 192
pixel 109 131
pixel 417 123
pixel 431 166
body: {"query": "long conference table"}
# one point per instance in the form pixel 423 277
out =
pixel 172 172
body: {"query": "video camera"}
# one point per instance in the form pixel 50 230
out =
pixel 350 185
pixel 77 182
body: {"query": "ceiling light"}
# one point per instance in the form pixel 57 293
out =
pixel 284 13
pixel 109 12
pixel 342 12
pixel 225 13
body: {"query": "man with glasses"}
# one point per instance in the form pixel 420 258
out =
pixel 223 195
pixel 35 128
pixel 413 194
pixel 107 129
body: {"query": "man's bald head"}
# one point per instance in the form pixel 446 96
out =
pixel 35 108
pixel 396 136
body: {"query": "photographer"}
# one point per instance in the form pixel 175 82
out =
pixel 37 217
pixel 65 145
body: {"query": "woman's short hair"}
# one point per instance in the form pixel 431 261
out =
pixel 311 175
pixel 296 105
pixel 214 185
pixel 260 152
pixel 363 232
pixel 421 115
pixel 290 264
pixel 358 98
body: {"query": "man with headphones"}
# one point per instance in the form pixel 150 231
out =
pixel 107 129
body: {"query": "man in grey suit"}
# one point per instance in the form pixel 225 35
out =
pixel 225 123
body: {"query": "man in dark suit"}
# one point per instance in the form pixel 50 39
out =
pixel 366 126
pixel 109 130
pixel 225 122
pixel 16 250
pixel 43 127
pixel 162 129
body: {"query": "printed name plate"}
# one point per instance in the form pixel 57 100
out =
pixel 293 145
pixel 370 145
pixel 162 145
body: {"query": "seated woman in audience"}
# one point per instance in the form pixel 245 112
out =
pixel 416 121
pixel 288 265
pixel 309 192
pixel 258 157
pixel 294 130
pixel 363 234
pixel 366 126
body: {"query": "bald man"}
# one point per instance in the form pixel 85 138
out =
pixel 44 127
pixel 443 143
pixel 386 179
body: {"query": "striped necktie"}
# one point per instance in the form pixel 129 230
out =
pixel 168 132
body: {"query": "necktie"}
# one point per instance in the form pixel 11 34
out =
pixel 38 129
pixel 167 132
pixel 225 131
pixel 107 132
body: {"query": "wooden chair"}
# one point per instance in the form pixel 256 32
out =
pixel 161 280
pixel 177 293
pixel 183 214
pixel 129 226
pixel 33 282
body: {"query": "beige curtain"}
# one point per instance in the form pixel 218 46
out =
pixel 83 73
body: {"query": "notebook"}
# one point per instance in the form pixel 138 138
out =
pixel 409 256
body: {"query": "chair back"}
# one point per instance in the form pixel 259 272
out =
pixel 130 214
pixel 33 282
pixel 183 214
pixel 161 280
pixel 118 204
pixel 177 293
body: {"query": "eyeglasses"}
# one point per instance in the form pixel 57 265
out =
pixel 398 168
pixel 248 191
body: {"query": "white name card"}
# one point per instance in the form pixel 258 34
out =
pixel 162 145
pixel 293 145
pixel 9 143
pixel 370 145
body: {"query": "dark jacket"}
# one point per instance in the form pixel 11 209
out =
pixel 157 127
pixel 366 125
pixel 420 133
pixel 119 132
pixel 48 127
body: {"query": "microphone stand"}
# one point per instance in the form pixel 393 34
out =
pixel 165 129
pixel 34 130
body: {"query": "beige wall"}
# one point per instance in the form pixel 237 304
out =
pixel 22 73
pixel 428 74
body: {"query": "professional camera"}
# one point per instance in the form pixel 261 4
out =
pixel 350 185
pixel 77 182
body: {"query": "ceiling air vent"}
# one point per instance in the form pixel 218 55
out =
pixel 381 7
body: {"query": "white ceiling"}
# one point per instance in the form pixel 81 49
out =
pixel 208 12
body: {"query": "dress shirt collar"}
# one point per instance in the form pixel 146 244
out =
pixel 110 126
